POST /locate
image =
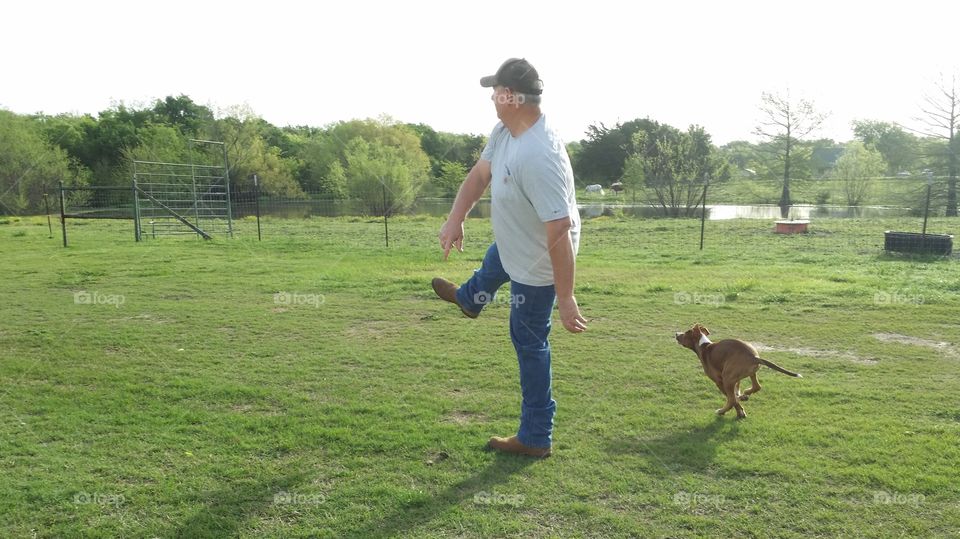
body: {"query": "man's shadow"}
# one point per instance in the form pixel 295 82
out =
pixel 689 450
pixel 410 515
pixel 225 510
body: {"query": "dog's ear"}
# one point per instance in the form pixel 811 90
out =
pixel 696 330
pixel 704 330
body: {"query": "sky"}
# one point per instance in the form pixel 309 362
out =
pixel 680 62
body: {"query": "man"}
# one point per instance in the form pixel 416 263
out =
pixel 536 230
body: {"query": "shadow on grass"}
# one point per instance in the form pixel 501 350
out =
pixel 227 509
pixel 889 256
pixel 683 451
pixel 403 518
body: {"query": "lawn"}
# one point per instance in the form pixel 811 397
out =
pixel 310 385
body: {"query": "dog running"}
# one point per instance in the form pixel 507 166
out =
pixel 727 362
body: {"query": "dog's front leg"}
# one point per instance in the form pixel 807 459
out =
pixel 730 389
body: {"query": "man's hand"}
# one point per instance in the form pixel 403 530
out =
pixel 570 315
pixel 451 233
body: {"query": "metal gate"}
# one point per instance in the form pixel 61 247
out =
pixel 182 198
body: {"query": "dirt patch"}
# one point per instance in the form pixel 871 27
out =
pixel 821 354
pixel 462 417
pixel 257 409
pixel 916 341
pixel 369 329
pixel 141 317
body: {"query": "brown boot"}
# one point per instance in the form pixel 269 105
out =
pixel 448 292
pixel 513 445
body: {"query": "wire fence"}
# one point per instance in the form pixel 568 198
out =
pixel 912 202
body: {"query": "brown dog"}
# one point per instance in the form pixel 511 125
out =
pixel 727 362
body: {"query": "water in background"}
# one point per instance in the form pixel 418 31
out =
pixel 299 209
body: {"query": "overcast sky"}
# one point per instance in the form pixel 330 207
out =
pixel 300 63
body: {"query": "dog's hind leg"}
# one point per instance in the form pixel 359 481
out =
pixel 730 389
pixel 754 387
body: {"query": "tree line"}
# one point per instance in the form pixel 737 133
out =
pixel 668 167
pixel 387 164
pixel 362 159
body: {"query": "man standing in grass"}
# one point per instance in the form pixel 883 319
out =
pixel 536 229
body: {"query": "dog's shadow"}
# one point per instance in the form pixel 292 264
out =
pixel 691 450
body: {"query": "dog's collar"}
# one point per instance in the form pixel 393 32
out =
pixel 704 340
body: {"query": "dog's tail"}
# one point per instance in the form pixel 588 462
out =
pixel 776 367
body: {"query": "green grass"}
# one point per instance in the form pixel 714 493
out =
pixel 187 402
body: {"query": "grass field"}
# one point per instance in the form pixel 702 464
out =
pixel 165 389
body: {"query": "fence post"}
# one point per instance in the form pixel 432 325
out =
pixel 46 209
pixel 703 212
pixel 63 217
pixel 256 194
pixel 136 208
pixel 926 211
pixel 386 231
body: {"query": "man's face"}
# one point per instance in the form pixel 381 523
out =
pixel 505 99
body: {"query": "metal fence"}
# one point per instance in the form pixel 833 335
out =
pixel 915 200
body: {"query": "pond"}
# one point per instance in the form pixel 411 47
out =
pixel 299 209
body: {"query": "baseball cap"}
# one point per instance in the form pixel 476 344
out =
pixel 516 74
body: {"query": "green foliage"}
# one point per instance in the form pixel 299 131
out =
pixel 384 178
pixel 855 169
pixel 671 166
pixel 30 166
pixel 249 154
pixel 900 150
pixel 443 147
pixel 603 154
pixel 181 112
pixel 452 174
pixel 327 165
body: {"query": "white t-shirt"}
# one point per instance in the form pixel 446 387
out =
pixel 531 184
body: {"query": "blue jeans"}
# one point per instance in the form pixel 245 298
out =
pixel 530 311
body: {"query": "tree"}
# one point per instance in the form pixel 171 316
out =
pixel 30 166
pixel 443 147
pixel 321 151
pixel 603 154
pixel 898 148
pixel 181 112
pixel 379 175
pixel 785 123
pixel 672 167
pixel 452 174
pixel 941 118
pixel 856 168
pixel 248 154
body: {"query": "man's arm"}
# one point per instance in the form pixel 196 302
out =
pixel 564 271
pixel 472 188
